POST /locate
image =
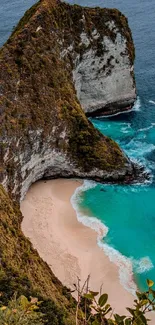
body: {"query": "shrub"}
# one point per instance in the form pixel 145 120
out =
pixel 21 312
pixel 93 308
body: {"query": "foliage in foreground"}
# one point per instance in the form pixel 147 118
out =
pixel 92 310
pixel 21 312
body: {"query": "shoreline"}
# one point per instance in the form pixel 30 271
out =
pixel 69 247
pixel 124 264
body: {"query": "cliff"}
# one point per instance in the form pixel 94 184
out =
pixel 60 62
pixel 44 131
pixel 24 272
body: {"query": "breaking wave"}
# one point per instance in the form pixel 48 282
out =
pixel 143 265
pixel 90 222
pixel 126 266
pixel 147 128
pixel 152 102
pixel 137 104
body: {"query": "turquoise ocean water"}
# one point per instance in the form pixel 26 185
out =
pixel 128 212
pixel 123 215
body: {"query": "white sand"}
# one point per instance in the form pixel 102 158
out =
pixel 69 248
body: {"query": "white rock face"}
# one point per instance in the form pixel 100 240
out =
pixel 48 161
pixel 40 160
pixel 104 79
pixel 102 71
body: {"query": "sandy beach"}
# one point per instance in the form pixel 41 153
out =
pixel 69 247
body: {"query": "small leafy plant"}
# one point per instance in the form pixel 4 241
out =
pixel 93 307
pixel 21 312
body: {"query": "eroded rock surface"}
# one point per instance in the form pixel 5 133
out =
pixel 60 59
pixel 101 48
pixel 103 74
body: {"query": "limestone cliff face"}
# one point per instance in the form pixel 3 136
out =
pixel 58 58
pixel 57 54
pixel 103 58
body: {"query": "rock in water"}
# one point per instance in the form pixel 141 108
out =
pixel 103 63
pixel 60 59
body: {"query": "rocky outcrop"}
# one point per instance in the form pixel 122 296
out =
pixel 101 49
pixel 44 132
pixel 44 67
pixel 103 73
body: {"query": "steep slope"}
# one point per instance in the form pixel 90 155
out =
pixel 24 272
pixel 44 131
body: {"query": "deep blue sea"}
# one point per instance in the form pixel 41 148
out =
pixel 126 213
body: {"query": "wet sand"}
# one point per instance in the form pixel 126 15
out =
pixel 69 247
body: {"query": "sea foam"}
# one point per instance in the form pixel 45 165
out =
pixel 137 104
pixel 152 102
pixel 138 151
pixel 147 128
pixel 126 128
pixel 90 221
pixel 115 114
pixel 138 148
pixel 136 107
pixel 123 263
pixel 142 265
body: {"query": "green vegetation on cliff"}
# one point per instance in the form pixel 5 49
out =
pixel 24 272
pixel 37 91
pixel 92 308
pixel 37 98
pixel 21 311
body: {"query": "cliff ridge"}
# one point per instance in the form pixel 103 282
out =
pixel 55 67
pixel 44 131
